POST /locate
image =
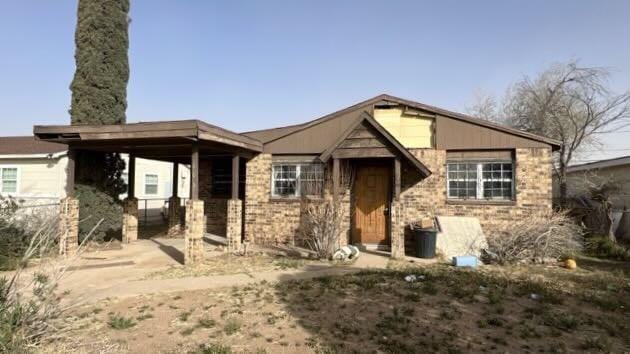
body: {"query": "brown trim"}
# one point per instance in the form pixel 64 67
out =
pixel 480 202
pixel 193 130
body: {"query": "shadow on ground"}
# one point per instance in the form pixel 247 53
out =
pixel 454 310
pixel 170 251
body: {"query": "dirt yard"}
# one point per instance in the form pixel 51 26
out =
pixel 491 309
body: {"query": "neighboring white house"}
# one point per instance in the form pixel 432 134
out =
pixel 34 171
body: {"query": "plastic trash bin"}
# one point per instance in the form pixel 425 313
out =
pixel 425 242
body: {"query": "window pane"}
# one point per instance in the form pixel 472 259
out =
pixel 312 179
pixel 462 180
pixel 151 179
pixel 9 186
pixel 497 180
pixel 150 189
pixel 284 180
pixel 9 173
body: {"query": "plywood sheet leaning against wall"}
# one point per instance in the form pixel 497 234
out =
pixel 460 236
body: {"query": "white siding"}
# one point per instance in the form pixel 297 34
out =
pixel 39 178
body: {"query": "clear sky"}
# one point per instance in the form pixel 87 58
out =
pixel 247 65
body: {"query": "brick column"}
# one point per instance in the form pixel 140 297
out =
pixel 397 233
pixel 68 226
pixel 130 220
pixel 174 227
pixel 234 224
pixel 195 223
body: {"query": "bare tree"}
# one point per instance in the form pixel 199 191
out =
pixel 570 103
pixel 567 102
pixel 484 106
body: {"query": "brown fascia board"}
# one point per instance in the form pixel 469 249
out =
pixel 436 110
pixel 194 129
pixel 365 116
pixel 477 121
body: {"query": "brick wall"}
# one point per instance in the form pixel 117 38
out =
pixel 273 221
pixel 268 221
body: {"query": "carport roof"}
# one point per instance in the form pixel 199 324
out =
pixel 150 139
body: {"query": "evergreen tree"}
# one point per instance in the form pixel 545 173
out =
pixel 99 96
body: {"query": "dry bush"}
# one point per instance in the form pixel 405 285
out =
pixel 322 227
pixel 29 305
pixel 535 239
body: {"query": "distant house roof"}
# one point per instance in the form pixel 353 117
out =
pixel 325 130
pixel 617 161
pixel 28 145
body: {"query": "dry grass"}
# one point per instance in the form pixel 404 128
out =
pixel 446 310
pixel 232 264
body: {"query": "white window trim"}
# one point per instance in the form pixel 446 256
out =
pixel 298 174
pixel 157 191
pixel 479 196
pixel 297 180
pixel 17 184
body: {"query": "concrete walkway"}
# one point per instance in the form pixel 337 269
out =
pixel 121 273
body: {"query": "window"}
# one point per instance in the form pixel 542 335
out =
pixel 295 180
pixel 9 179
pixel 150 184
pixel 480 180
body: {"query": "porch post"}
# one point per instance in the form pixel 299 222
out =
pixel 397 178
pixel 335 179
pixel 195 220
pixel 174 202
pixel 69 212
pixel 130 205
pixel 397 227
pixel 234 211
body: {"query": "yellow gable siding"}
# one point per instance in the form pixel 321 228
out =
pixel 410 131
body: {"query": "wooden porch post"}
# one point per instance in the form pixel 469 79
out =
pixel 335 179
pixel 174 204
pixel 175 179
pixel 72 156
pixel 397 178
pixel 130 205
pixel 194 173
pixel 131 177
pixel 235 179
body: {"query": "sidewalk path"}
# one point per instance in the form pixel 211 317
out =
pixel 89 286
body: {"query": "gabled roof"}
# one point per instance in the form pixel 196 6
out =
pixel 614 162
pixel 367 118
pixel 28 145
pixel 268 136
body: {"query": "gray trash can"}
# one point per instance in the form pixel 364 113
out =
pixel 425 242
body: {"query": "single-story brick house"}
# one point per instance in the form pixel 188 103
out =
pixel 389 161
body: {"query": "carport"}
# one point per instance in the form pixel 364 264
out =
pixel 178 142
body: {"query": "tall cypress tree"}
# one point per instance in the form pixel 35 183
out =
pixel 99 96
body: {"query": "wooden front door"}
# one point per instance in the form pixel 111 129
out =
pixel 371 205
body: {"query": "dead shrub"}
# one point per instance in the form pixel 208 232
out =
pixel 535 239
pixel 29 304
pixel 322 227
